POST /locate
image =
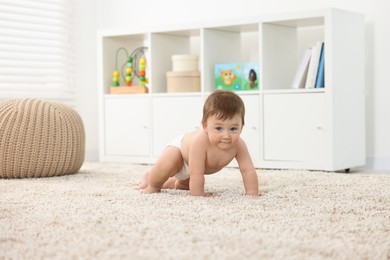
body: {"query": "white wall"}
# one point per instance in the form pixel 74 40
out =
pixel 153 13
pixel 85 12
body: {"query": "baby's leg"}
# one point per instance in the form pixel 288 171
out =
pixel 182 184
pixel 170 183
pixel 174 183
pixel 168 164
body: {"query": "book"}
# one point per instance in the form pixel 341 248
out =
pixel 320 81
pixel 301 73
pixel 313 66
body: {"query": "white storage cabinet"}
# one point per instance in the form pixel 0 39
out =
pixel 318 129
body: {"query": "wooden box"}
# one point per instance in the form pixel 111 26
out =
pixel 183 81
pixel 129 90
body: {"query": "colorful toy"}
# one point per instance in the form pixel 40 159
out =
pixel 115 78
pixel 116 74
pixel 142 71
pixel 129 71
pixel 139 65
pixel 135 65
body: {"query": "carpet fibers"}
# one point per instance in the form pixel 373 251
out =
pixel 98 214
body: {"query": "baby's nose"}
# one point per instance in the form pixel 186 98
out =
pixel 226 134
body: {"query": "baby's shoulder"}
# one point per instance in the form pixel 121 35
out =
pixel 193 138
pixel 193 135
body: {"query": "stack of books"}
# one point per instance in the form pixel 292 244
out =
pixel 310 72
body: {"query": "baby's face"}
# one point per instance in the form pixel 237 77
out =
pixel 224 133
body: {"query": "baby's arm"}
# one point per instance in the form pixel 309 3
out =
pixel 247 170
pixel 197 158
pixel 197 185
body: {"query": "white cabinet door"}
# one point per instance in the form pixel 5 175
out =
pixel 174 116
pixel 251 131
pixel 294 127
pixel 127 126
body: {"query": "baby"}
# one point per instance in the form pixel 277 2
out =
pixel 186 160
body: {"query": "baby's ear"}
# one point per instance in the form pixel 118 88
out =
pixel 204 125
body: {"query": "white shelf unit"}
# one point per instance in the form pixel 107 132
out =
pixel 321 129
pixel 318 129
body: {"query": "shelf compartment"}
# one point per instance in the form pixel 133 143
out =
pixel 163 46
pixel 228 44
pixel 110 45
pixel 283 44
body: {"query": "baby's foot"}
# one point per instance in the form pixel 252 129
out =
pixel 170 183
pixel 150 190
pixel 145 182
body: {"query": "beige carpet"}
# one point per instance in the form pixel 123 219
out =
pixel 97 214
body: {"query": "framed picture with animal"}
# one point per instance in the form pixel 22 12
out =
pixel 237 76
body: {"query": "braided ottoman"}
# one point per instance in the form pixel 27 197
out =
pixel 39 138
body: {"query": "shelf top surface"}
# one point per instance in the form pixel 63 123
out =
pixel 305 18
pixel 305 22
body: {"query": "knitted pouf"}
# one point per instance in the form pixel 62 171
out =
pixel 39 139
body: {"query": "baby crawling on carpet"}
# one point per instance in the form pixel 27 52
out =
pixel 186 160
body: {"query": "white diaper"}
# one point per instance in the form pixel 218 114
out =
pixel 183 174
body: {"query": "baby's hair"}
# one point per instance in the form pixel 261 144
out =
pixel 224 105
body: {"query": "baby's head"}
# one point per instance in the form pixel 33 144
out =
pixel 224 105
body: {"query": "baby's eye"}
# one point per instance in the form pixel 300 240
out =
pixel 233 129
pixel 219 129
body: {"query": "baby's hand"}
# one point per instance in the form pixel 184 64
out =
pixel 252 195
